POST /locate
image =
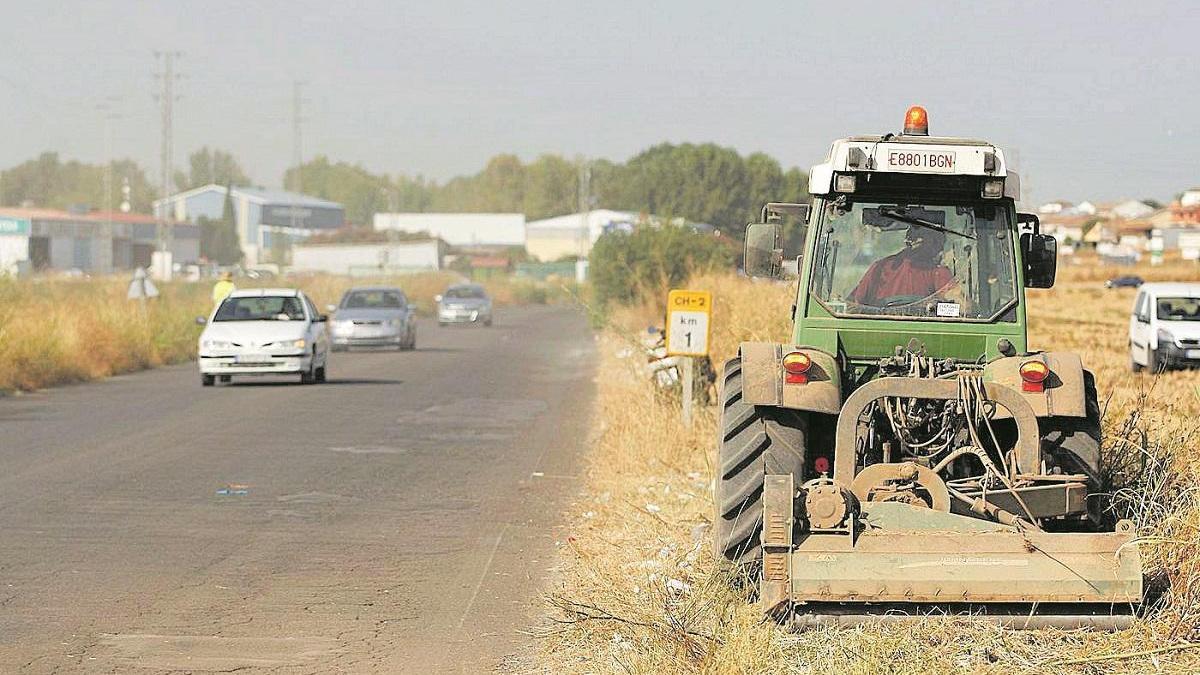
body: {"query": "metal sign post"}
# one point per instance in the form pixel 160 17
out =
pixel 689 315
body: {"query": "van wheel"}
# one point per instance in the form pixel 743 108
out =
pixel 207 380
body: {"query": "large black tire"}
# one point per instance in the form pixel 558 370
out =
pixel 1074 442
pixel 753 441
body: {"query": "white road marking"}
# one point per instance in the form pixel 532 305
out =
pixel 482 575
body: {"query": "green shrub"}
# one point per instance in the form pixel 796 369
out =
pixel 627 267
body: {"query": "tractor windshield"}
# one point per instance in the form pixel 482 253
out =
pixel 930 260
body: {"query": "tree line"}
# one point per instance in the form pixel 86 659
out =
pixel 703 183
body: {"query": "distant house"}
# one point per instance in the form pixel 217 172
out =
pixel 1190 197
pixel 1054 207
pixel 1066 229
pixel 1130 209
pixel 265 218
pixel 459 229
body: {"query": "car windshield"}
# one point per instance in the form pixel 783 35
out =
pixel 937 259
pixel 1179 309
pixel 465 293
pixel 373 300
pixel 260 308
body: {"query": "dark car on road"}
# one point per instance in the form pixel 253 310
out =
pixel 1124 281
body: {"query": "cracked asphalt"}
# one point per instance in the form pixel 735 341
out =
pixel 401 518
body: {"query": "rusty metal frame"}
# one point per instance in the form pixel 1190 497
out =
pixel 1028 448
pixel 778 520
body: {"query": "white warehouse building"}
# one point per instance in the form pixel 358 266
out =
pixel 459 229
pixel 369 259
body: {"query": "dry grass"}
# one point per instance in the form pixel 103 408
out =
pixel 642 593
pixel 58 331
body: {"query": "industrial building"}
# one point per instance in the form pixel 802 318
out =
pixel 369 259
pixel 572 236
pixel 459 229
pixel 37 240
pixel 266 219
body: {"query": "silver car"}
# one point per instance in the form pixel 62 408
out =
pixel 464 303
pixel 373 316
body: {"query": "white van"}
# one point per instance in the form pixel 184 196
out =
pixel 1164 329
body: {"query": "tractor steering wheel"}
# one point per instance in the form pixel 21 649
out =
pixel 901 300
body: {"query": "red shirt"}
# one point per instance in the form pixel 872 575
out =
pixel 897 275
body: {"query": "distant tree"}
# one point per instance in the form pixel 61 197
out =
pixel 362 193
pixel 211 166
pixel 49 182
pixel 703 183
pixel 1153 203
pixel 219 240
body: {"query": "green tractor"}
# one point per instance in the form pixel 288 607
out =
pixel 906 449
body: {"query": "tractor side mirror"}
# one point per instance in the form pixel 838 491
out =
pixel 764 250
pixel 1040 255
pixel 1029 222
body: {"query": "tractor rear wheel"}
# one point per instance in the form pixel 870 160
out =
pixel 754 441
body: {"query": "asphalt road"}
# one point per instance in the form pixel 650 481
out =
pixel 401 518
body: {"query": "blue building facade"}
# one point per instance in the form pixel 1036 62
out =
pixel 263 216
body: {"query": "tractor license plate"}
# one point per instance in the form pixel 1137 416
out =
pixel 921 160
pixel 1192 353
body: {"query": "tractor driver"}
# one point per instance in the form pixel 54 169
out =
pixel 913 273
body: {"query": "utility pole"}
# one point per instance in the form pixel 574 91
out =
pixel 106 108
pixel 585 204
pixel 166 77
pixel 297 186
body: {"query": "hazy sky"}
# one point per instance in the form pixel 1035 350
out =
pixel 1098 102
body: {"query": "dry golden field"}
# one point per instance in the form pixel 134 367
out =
pixel 640 591
pixel 57 331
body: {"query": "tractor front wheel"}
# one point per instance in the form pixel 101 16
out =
pixel 754 441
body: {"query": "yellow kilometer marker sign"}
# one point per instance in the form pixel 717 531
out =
pixel 689 315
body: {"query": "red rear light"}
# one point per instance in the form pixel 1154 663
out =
pixel 1033 376
pixel 916 122
pixel 821 464
pixel 795 367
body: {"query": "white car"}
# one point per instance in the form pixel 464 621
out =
pixel 1164 329
pixel 264 331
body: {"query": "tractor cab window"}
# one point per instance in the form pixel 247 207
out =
pixel 931 260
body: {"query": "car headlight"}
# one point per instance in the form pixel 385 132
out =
pixel 298 344
pixel 216 344
pixel 1165 336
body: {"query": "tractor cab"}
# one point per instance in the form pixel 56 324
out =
pixel 917 229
